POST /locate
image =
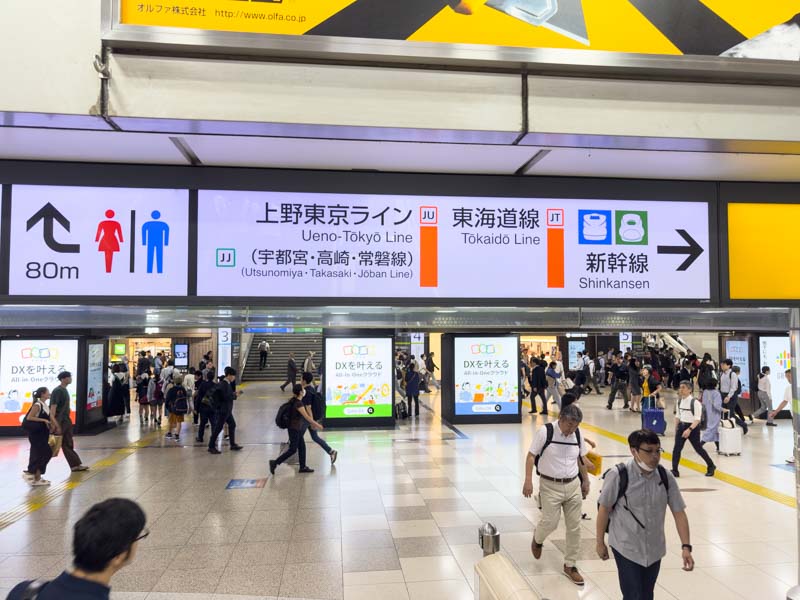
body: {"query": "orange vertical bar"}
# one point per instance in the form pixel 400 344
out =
pixel 428 256
pixel 555 257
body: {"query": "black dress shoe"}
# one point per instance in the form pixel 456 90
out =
pixel 711 470
pixel 272 465
pixel 236 447
pixel 214 451
pixel 306 470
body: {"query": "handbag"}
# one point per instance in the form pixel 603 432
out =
pixel 594 463
pixel 727 422
pixel 54 441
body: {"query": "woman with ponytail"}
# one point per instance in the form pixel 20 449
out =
pixel 37 424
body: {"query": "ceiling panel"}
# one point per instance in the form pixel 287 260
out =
pixel 167 319
pixel 580 162
pixel 22 143
pixel 87 146
pixel 345 155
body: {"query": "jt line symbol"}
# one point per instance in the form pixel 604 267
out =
pixel 49 213
pixel 694 250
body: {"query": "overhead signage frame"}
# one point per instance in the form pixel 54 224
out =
pixel 417 248
pixel 564 34
pixel 99 244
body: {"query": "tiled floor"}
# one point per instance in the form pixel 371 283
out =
pixel 395 519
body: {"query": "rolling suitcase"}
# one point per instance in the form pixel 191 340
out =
pixel 401 410
pixel 653 417
pixel 730 436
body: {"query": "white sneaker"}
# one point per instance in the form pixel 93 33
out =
pixel 40 483
pixel 27 476
pixel 790 461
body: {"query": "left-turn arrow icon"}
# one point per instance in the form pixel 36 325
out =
pixel 49 214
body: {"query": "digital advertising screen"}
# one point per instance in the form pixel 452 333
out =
pixel 182 355
pixel 739 352
pixel 120 350
pixel 94 376
pixel 486 375
pixel 26 365
pixel 359 375
pixel 776 353
pixel 575 346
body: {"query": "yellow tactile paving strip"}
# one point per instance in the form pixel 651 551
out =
pixel 744 484
pixel 55 491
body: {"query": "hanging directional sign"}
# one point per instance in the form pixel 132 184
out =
pixel 269 244
pixel 79 241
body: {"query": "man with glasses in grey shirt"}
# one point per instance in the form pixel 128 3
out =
pixel 631 508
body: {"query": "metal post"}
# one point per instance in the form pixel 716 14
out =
pixel 794 332
pixel 489 539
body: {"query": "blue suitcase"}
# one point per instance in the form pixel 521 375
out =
pixel 653 417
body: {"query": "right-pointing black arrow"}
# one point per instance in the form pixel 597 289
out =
pixel 694 250
pixel 49 213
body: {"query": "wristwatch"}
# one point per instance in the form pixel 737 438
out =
pixel 688 546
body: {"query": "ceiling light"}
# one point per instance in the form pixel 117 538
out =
pixel 149 330
pixel 340 313
pixel 181 320
pixel 626 312
pixel 713 312
pixel 446 311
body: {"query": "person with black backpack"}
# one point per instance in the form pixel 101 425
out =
pixel 631 509
pixel 295 417
pixel 316 401
pixel 205 404
pixel 224 395
pixel 691 418
pixel 177 399
pixel 557 452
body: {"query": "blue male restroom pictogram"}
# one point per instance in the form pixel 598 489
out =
pixel 155 235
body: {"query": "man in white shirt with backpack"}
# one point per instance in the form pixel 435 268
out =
pixel 557 451
pixel 689 421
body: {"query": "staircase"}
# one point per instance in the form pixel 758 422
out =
pixel 280 346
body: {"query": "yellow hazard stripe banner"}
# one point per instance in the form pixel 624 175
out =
pixel 704 27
